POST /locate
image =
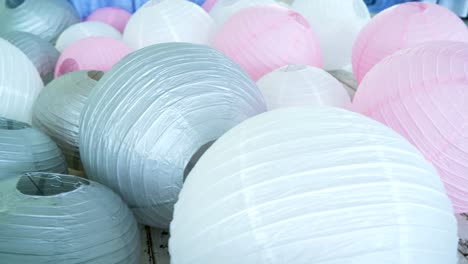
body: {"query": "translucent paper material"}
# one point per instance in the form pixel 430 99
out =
pixel 296 85
pixel 154 111
pixel 26 149
pixel 224 9
pixel 96 53
pixel 305 185
pixel 139 3
pixel 337 24
pixel 421 93
pixel 208 5
pixel 160 21
pixel 58 108
pixel 85 30
pixel 404 26
pixel 41 53
pixel 263 38
pixel 54 218
pixel 44 18
pixel 86 7
pixel 113 16
pixel 20 83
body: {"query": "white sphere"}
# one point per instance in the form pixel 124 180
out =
pixel 54 218
pixel 224 9
pixel 20 83
pixel 313 185
pixel 296 85
pixel 337 24
pixel 160 21
pixel 85 30
pixel 58 109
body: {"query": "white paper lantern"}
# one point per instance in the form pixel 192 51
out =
pixel 41 53
pixel 296 85
pixel 20 83
pixel 26 149
pixel 58 108
pixel 154 111
pixel 224 9
pixel 44 18
pixel 160 21
pixel 55 218
pixel 337 24
pixel 85 30
pixel 304 185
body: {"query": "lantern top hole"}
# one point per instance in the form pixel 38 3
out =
pixel 12 4
pixel 293 68
pixel 9 124
pixel 95 75
pixel 48 184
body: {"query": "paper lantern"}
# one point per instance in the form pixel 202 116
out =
pixel 304 185
pixel 116 17
pixel 20 83
pixel 26 149
pixel 337 24
pixel 96 53
pixel 85 30
pixel 139 3
pixel 41 53
pixel 160 21
pixel 263 38
pixel 86 7
pixel 155 110
pixel 56 218
pixel 208 5
pixel 58 108
pixel 421 93
pixel 296 85
pixel 404 26
pixel 223 10
pixel 44 18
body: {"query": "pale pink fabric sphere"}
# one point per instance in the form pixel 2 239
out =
pixel 404 26
pixel 422 93
pixel 96 53
pixel 208 5
pixel 114 16
pixel 264 38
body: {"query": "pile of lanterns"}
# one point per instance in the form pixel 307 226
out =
pixel 219 121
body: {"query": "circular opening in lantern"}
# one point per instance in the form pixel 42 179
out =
pixel 299 19
pixel 95 75
pixel 421 6
pixel 195 157
pixel 48 184
pixel 360 9
pixel 68 65
pixel 14 3
pixel 8 124
pixel 293 68
pixel 152 3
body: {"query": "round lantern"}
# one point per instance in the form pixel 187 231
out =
pixel 116 17
pixel 160 21
pixel 153 114
pixel 337 24
pixel 403 26
pixel 86 7
pixel 20 83
pixel 424 98
pixel 304 185
pixel 44 18
pixel 296 85
pixel 41 53
pixel 139 3
pixel 85 30
pixel 223 10
pixel 58 108
pixel 56 218
pixel 96 53
pixel 263 38
pixel 208 5
pixel 26 149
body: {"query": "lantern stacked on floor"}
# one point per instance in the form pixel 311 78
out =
pixel 161 104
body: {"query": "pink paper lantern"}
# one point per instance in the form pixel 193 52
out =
pixel 114 16
pixel 404 26
pixel 421 92
pixel 208 5
pixel 96 53
pixel 263 38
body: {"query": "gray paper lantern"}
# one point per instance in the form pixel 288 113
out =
pixel 63 219
pixel 26 149
pixel 58 108
pixel 42 54
pixel 44 18
pixel 154 112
